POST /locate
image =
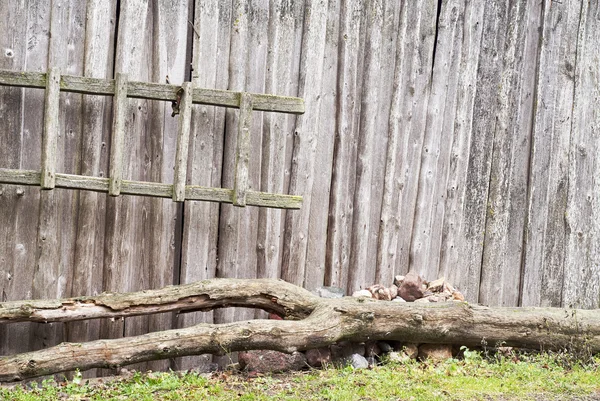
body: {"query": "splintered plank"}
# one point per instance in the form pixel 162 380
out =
pixel 117 143
pixel 183 140
pixel 240 186
pixel 154 91
pixel 50 133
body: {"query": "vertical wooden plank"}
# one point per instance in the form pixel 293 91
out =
pixel 183 140
pixel 169 51
pixel 391 22
pixel 15 253
pixel 57 222
pixel 317 224
pixel 406 131
pixel 201 219
pixel 51 127
pixel 305 141
pixel 98 54
pixel 451 251
pixel 285 19
pixel 581 287
pixel 463 231
pixel 124 256
pixel 238 230
pixel 242 154
pixel 117 142
pixel 545 241
pixel 358 276
pixel 437 144
pixel 141 233
pixel 337 255
pixel 503 246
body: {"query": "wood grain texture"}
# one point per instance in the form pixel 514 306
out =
pixel 507 199
pixel 361 267
pixel 581 285
pixel 285 21
pixel 293 265
pixel 406 135
pixel 242 153
pixel 544 252
pixel 339 221
pixel 117 139
pixel 211 45
pixel 154 91
pixel 51 127
pixel 463 273
pixel 183 140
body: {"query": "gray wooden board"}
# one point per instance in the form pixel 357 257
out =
pixel 317 224
pixel 581 276
pixel 414 80
pixel 506 205
pixel 15 276
pixel 293 267
pixel 545 245
pixel 23 242
pixel 201 220
pixel 234 233
pixel 437 145
pixel 359 268
pixel 283 52
pixel 452 259
pixel 339 222
pixel 88 247
pixel 385 84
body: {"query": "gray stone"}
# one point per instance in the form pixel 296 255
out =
pixel 399 299
pixel 329 292
pixel 358 361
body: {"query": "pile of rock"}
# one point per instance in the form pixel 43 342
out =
pixel 412 288
pixel 408 288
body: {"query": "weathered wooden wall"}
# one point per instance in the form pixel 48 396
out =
pixel 456 138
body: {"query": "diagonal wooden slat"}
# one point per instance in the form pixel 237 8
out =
pixel 146 90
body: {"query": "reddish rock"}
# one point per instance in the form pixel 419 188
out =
pixel 398 280
pixel 436 352
pixel 411 287
pixel 267 361
pixel 318 357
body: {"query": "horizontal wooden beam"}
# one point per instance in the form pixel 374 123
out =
pixel 192 192
pixel 145 90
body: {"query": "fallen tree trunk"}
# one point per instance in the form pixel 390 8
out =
pixel 323 322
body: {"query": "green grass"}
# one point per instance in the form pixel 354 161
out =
pixel 533 377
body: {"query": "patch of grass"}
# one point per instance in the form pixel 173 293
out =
pixel 474 377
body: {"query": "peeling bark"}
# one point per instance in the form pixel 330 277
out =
pixel 322 322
